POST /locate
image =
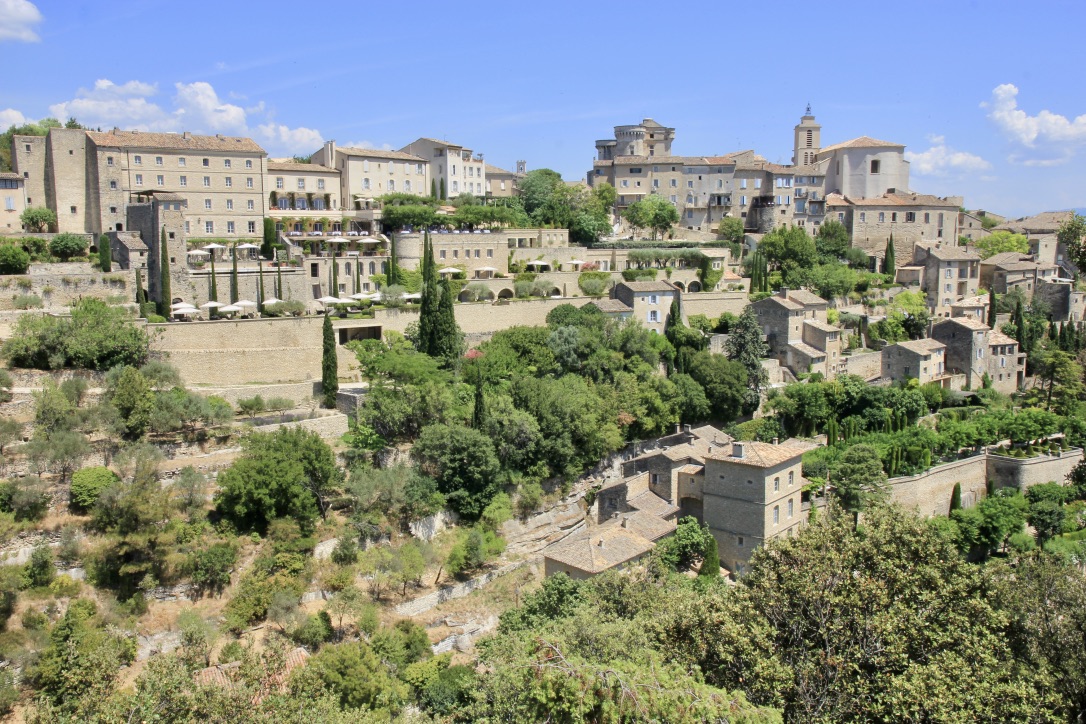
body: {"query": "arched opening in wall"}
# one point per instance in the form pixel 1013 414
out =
pixel 556 293
pixel 347 268
pixel 694 287
pixel 373 268
pixel 691 506
pixel 505 294
pixel 680 286
pixel 466 296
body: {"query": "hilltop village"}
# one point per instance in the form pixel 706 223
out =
pixel 367 396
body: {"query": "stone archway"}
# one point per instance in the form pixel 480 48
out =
pixel 505 294
pixel 694 287
pixel 680 285
pixel 556 293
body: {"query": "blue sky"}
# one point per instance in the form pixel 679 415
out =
pixel 988 95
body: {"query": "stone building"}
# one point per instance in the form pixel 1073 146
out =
pixel 971 307
pixel 864 167
pixel 88 178
pixel 799 335
pixel 13 196
pixel 921 359
pixel 974 350
pixel 951 273
pixel 909 217
pixel 650 302
pixel 462 170
pixel 127 249
pixel 753 492
pixel 1012 270
pixel 971 226
pixel 501 184
pixel 304 190
pixel 367 173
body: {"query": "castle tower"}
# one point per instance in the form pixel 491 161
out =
pixel 808 140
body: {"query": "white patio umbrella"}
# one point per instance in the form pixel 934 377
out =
pixel 244 303
pixel 199 252
pixel 377 297
pixel 329 300
pixel 248 246
pixel 179 305
pixel 486 268
pixel 537 263
pixel 211 305
pixel 230 308
pixel 577 262
pixel 213 245
pixel 272 300
pixel 449 270
pixel 361 296
pixel 413 295
pixel 337 240
pixel 186 311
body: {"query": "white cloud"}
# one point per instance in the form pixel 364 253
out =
pixel 195 107
pixel 942 160
pixel 1046 134
pixel 17 21
pixel 367 144
pixel 10 117
pixel 298 141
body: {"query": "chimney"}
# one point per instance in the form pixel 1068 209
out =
pixel 187 135
pixel 686 428
pixel 678 428
pixel 710 450
pixel 776 441
pixel 599 543
pixel 737 450
pixel 783 293
pixel 625 523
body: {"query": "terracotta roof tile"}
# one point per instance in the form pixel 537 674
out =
pixel 862 142
pixel 174 141
pixel 611 306
pixel 380 153
pixel 658 286
pixel 761 454
pixel 921 346
pixel 968 322
pixel 295 167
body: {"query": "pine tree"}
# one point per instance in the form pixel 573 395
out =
pixel 442 189
pixel 393 276
pixel 889 263
pixel 166 296
pixel 991 309
pixel 260 299
pixel 710 565
pixel 105 258
pixel 141 293
pixel 329 365
pixel 956 497
pixel 234 277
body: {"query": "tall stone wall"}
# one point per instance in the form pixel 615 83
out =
pixel 713 304
pixel 866 365
pixel 1023 473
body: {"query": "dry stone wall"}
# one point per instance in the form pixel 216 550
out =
pixel 59 285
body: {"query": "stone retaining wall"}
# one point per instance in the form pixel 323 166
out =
pixel 59 285
pixel 329 427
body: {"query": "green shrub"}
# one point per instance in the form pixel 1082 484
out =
pixel 210 567
pixel 315 631
pixel 13 260
pixel 68 245
pixel 284 309
pixel 594 283
pixel 639 275
pixel 88 484
pixel 27 301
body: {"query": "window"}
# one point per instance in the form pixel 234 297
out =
pixel 139 179
pixel 673 198
pixel 252 226
pixel 392 185
pixel 137 160
pixel 249 182
pixel 109 159
pixel 320 184
pixel 229 227
pixel 365 183
pixel 776 514
pixel 301 184
pixel 209 227
pixel 442 255
pixel 791 477
pixel 248 163
pixel 226 163
pixel 910 216
pixel 863 217
pixel 689 184
pixel 158 160
pixel 160 180
pixel 184 181
pixel 229 204
pixel 625 183
pixel 1002 361
pixel 489 253
pixel 112 209
pixel 181 161
pixel 229 182
pixel 893 216
pixel 874 166
pixel 207 163
pixel 927 218
pixel 743 202
pixel 776 485
pixel 739 540
pixel 207 204
pixel 882 217
pixel 207 181
pixel 653 299
pixel 757 183
pixel 980 353
pixel 742 183
pixel 840 216
pixel 407 186
pixel 279 182
pixel 654 316
pixel 113 185
pixel 790 508
pixel 949 273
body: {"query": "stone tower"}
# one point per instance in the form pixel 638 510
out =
pixel 808 140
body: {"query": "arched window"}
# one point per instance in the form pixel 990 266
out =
pixel 373 268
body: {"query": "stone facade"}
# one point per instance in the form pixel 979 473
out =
pixel 12 202
pixel 461 169
pixel 798 333
pixel 974 350
pixel 951 274
pixel 921 359
pixel 59 285
pixel 909 217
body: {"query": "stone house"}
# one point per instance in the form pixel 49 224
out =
pixel 305 190
pixel 1065 302
pixel 971 226
pixel 1012 270
pixel 753 492
pixel 617 543
pixel 951 273
pixel 461 169
pixel 367 173
pixel 971 307
pixel 909 217
pixel 127 249
pixel 13 196
pixel 920 359
pixel 974 350
pixel 798 333
pixel 503 184
pixel 650 302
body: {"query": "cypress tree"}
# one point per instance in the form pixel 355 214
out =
pixel 433 189
pixel 446 331
pixel 329 368
pixel 267 248
pixel 357 276
pixel 335 277
pixel 105 258
pixel 164 267
pixel 831 432
pixel 279 278
pixel 260 300
pixel 393 262
pixel 1052 331
pixel 443 189
pixel 213 294
pixel 478 412
pixel 991 309
pixel 710 565
pixel 889 263
pixel 1020 332
pixel 141 293
pixel 956 497
pixel 234 277
pixel 428 304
